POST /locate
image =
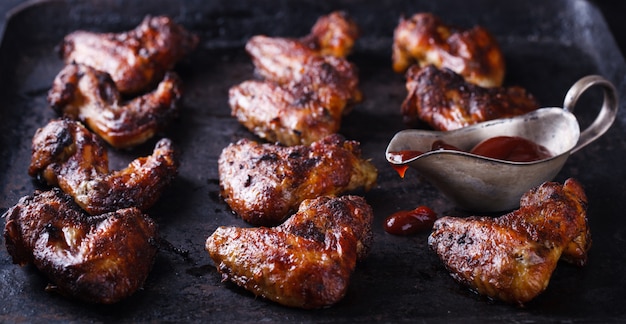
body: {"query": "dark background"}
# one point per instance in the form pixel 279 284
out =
pixel 614 12
pixel 181 291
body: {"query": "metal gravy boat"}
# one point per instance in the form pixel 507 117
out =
pixel 482 184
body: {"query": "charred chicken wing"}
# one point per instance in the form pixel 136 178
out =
pixel 307 261
pixel 424 39
pixel 66 154
pixel 136 59
pixel 98 259
pixel 83 93
pixel 512 257
pixel 445 101
pixel 264 183
pixel 333 34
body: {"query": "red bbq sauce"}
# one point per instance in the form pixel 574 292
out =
pixel 408 222
pixel 511 148
pixel 401 156
pixel 508 148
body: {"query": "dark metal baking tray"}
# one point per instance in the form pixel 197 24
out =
pixel 548 46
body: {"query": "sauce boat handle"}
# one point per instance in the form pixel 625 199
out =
pixel 607 113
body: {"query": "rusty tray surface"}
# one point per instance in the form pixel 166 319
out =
pixel 548 46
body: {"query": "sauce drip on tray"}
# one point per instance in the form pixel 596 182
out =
pixel 407 222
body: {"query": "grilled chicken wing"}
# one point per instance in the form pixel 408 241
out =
pixel 512 257
pixel 136 59
pixel 333 34
pixel 290 116
pixel 303 97
pixel 308 85
pixel 98 259
pixel 307 261
pixel 83 93
pixel 425 39
pixel 66 154
pixel 263 183
pixel 445 101
pixel 285 61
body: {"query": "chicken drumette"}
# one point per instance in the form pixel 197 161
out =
pixel 307 261
pixel 445 101
pixel 66 154
pixel 136 60
pixel 83 93
pixel 264 183
pixel 98 259
pixel 512 257
pixel 424 39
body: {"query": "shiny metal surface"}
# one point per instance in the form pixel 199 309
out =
pixel 480 184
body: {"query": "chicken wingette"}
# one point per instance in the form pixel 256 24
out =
pixel 424 39
pixel 67 155
pixel 445 101
pixel 137 59
pixel 264 183
pixel 97 259
pixel 512 257
pixel 83 93
pixel 307 261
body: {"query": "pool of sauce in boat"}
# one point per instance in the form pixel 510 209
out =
pixel 507 148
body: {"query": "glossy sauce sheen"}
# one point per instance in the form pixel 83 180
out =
pixel 511 148
pixel 508 148
pixel 401 156
pixel 407 222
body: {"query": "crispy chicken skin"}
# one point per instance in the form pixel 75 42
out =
pixel 136 59
pixel 333 34
pixel 66 154
pixel 97 259
pixel 290 116
pixel 307 261
pixel 285 61
pixel 83 93
pixel 303 97
pixel 308 84
pixel 473 53
pixel 264 183
pixel 512 257
pixel 445 101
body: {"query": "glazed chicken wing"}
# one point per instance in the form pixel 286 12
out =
pixel 303 97
pixel 424 39
pixel 512 257
pixel 66 154
pixel 98 259
pixel 307 261
pixel 445 101
pixel 285 61
pixel 264 183
pixel 333 34
pixel 83 93
pixel 136 59
pixel 290 116
pixel 308 85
